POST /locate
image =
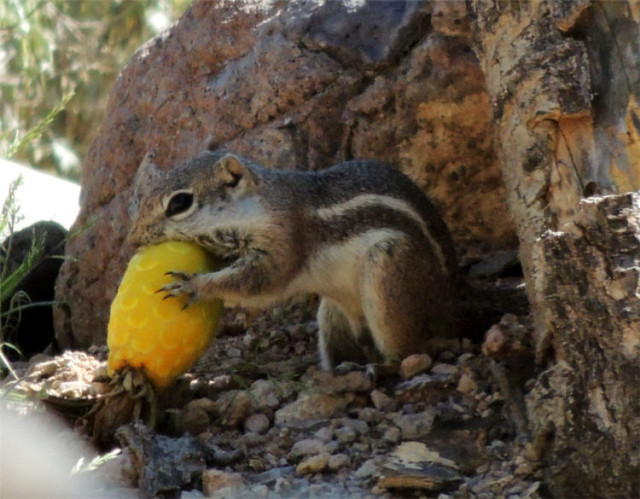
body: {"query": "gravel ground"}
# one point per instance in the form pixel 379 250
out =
pixel 257 418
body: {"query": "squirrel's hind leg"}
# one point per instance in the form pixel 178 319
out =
pixel 336 341
pixel 406 300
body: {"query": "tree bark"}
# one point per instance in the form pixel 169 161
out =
pixel 587 406
pixel 564 82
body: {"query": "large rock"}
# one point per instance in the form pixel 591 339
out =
pixel 30 330
pixel 299 84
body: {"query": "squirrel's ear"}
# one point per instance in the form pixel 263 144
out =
pixel 230 170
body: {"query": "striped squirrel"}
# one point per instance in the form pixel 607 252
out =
pixel 359 234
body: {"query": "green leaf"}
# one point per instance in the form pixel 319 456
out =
pixel 39 129
pixel 9 282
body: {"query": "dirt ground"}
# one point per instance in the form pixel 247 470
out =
pixel 256 417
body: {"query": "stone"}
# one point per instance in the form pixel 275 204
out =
pixel 324 434
pixel 281 486
pixel 313 464
pixel 392 435
pixel 337 462
pixel 346 435
pixel 195 418
pixel 381 400
pixel 204 404
pixel 233 407
pixel 307 447
pixel 415 426
pixel 31 329
pixel 310 407
pixel 260 490
pixel 414 466
pixel 369 415
pixel 163 464
pixel 415 364
pixel 354 381
pixel 444 368
pixel 294 85
pixel 360 427
pixel 249 341
pixel 214 480
pixel 264 394
pixel 427 388
pixel 367 469
pixel 234 353
pixel 467 385
pixel 525 468
pixel 257 423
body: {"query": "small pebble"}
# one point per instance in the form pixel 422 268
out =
pixel 442 368
pixel 195 417
pixel 465 359
pixel 392 435
pixel 234 353
pixel 467 385
pixel 325 434
pixel 213 480
pixel 524 469
pixel 264 394
pixel 369 415
pixel 249 341
pixel 415 364
pixel 313 464
pixel 271 459
pixel 447 356
pixel 381 400
pixel 367 469
pixel 337 461
pixel 260 490
pixel 354 381
pixel 233 407
pixel 257 423
pixel 361 427
pixel 308 446
pixel 415 426
pixel 346 435
pixel 282 485
pixel 360 447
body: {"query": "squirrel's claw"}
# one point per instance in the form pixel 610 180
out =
pixel 183 285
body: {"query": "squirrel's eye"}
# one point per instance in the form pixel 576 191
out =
pixel 179 203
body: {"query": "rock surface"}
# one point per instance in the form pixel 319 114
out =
pixel 300 84
pixel 31 330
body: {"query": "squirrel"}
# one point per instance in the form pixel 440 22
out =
pixel 360 234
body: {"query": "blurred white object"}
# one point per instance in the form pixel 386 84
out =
pixel 38 456
pixel 40 196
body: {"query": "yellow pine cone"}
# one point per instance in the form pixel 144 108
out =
pixel 153 334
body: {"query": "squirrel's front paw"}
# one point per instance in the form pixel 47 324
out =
pixel 184 284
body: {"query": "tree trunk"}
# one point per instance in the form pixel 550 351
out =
pixel 564 82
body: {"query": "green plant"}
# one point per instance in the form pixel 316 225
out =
pixel 9 278
pixel 53 49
